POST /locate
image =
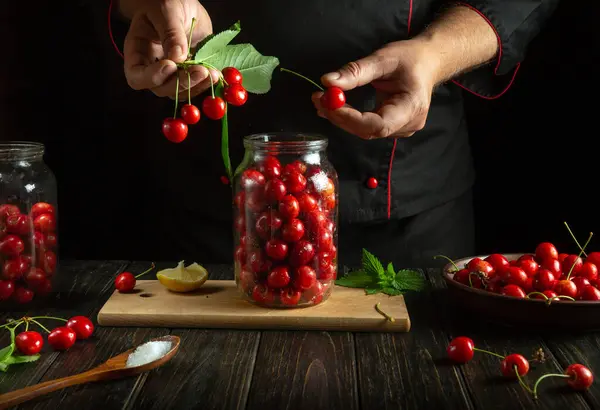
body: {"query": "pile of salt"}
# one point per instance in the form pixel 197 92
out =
pixel 148 352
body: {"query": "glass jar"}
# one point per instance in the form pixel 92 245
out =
pixel 28 222
pixel 285 220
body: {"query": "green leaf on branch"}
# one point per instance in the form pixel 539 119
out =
pixel 214 43
pixel 256 69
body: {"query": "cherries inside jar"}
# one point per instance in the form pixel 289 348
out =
pixel 28 224
pixel 285 221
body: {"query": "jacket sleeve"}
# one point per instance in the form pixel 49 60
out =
pixel 516 23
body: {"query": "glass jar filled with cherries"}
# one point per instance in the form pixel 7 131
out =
pixel 28 224
pixel 285 220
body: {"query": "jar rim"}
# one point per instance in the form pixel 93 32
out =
pixel 286 140
pixel 21 150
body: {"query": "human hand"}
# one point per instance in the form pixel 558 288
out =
pixel 403 74
pixel 158 39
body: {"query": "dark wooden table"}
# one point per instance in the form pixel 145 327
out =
pixel 234 369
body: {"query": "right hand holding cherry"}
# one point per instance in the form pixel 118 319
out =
pixel 158 39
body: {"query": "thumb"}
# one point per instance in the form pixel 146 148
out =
pixel 168 21
pixel 355 74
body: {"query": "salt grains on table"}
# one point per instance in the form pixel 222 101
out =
pixel 148 352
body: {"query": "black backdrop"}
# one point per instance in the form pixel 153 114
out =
pixel 535 148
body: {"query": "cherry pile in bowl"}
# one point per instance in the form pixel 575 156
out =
pixel 28 243
pixel 545 274
pixel 286 233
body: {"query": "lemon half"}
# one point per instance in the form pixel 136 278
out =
pixel 183 279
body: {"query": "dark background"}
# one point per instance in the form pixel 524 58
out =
pixel 535 148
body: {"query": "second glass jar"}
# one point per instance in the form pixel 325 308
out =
pixel 285 220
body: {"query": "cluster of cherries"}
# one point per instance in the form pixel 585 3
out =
pixel 30 342
pixel 28 242
pixel 462 349
pixel 214 107
pixel 285 233
pixel 546 274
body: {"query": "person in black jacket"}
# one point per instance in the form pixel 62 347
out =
pixel 400 145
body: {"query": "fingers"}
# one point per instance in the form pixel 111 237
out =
pixel 358 73
pixel 397 117
pixel 169 23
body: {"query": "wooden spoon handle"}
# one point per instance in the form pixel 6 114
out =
pixel 22 395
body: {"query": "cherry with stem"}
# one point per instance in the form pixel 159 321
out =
pixel 580 253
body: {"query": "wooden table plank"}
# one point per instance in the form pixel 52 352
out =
pixel 403 371
pixel 486 385
pixel 79 285
pixel 304 370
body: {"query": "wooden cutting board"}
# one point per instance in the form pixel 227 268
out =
pixel 218 304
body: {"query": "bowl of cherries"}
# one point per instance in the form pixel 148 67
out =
pixel 542 288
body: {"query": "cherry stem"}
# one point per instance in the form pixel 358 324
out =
pixel 26 326
pixel 537 293
pixel 580 253
pixel 488 352
pixel 176 95
pixel 448 259
pixel 301 76
pixel 143 273
pixel 574 238
pixel 212 86
pixel 190 87
pixel 521 381
pixel 48 317
pixel 40 325
pixel 191 32
pixel 388 317
pixel 535 386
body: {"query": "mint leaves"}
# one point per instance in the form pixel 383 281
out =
pixel 375 279
pixel 8 357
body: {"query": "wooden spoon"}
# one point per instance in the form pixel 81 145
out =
pixel 113 368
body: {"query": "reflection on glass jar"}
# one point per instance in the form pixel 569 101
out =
pixel 285 221
pixel 28 223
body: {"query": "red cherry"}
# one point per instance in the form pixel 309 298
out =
pixel 294 181
pixel 267 224
pixel 7 288
pixel 239 255
pixel 235 94
pixel 550 294
pixel 14 269
pixel 462 276
pixel 289 207
pixel 510 362
pixel 589 271
pixel 573 261
pixel 315 221
pixel 479 265
pixel 513 291
pixel 50 240
pixel 302 253
pixel 580 282
pixel 82 326
pixel 529 266
pixel 298 166
pixel 41 208
pixel 262 295
pixel 546 250
pixel 553 265
pixel 495 285
pixel 45 223
pixel 270 167
pixel 62 338
pixel 589 292
pixel 515 276
pixel 581 377
pixel 35 278
pixel 593 257
pixel 290 297
pixel 275 190
pixel 7 210
pixel 276 249
pixel 333 98
pixel 48 262
pixel 256 261
pixel 29 343
pixel 252 179
pixel 125 282
pixel 497 260
pixel 174 129
pixel 323 240
pixel 307 202
pixel 327 270
pixel 255 200
pixel 566 288
pixel 372 183
pixel 39 241
pixel 232 75
pixel 293 230
pixel 12 245
pixel 247 280
pixel 526 257
pixel 461 349
pixel 305 278
pixel 18 224
pixel 22 295
pixel 214 107
pixel 190 114
pixel 544 280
